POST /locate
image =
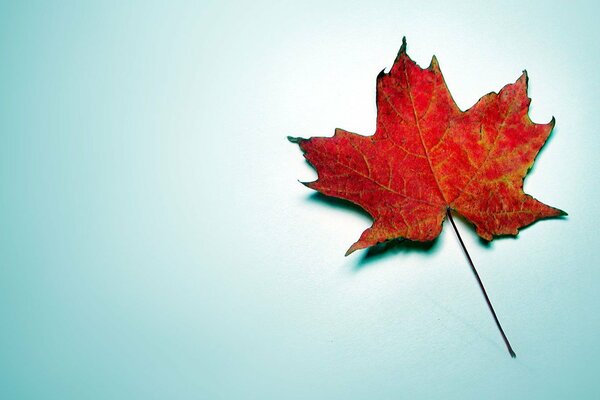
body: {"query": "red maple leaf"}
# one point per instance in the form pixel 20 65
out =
pixel 428 157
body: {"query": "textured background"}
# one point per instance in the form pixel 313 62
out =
pixel 155 242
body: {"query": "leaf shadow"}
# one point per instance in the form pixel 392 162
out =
pixel 393 247
pixel 338 203
pixel 381 250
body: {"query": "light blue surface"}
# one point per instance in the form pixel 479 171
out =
pixel 155 243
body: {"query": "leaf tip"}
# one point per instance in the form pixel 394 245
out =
pixel 403 47
pixel 353 248
pixel 296 140
pixel 523 79
pixel 309 185
pixel 485 235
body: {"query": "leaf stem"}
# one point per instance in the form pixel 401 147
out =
pixel 487 299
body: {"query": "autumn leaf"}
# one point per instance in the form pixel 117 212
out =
pixel 428 157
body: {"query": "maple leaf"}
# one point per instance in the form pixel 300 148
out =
pixel 428 157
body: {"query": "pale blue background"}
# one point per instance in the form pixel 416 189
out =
pixel 155 242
